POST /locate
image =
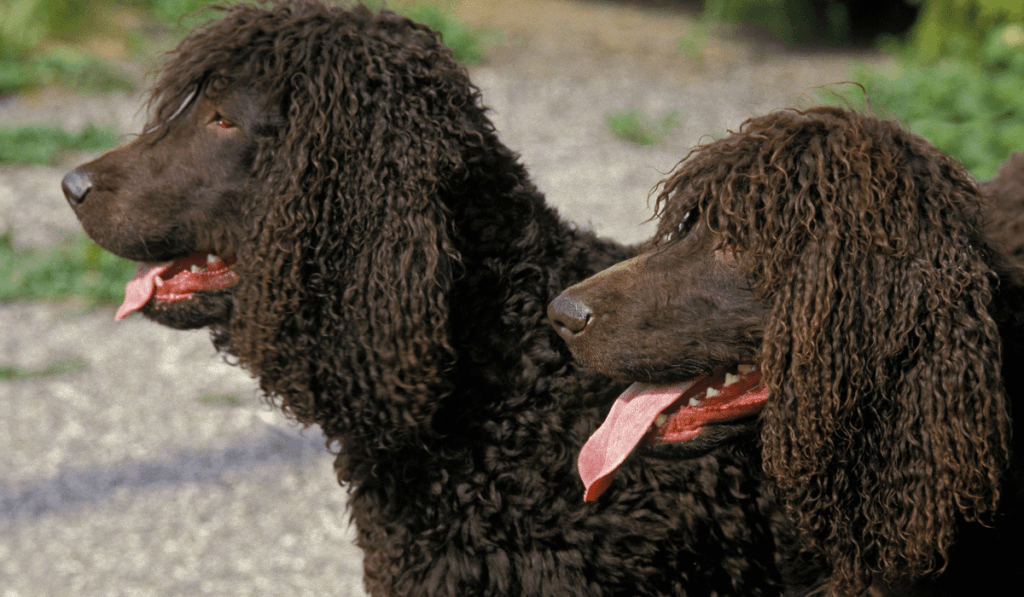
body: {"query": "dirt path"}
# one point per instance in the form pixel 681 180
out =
pixel 127 479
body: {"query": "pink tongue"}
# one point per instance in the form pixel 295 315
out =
pixel 138 292
pixel 635 411
pixel 627 423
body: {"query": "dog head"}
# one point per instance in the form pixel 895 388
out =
pixel 289 193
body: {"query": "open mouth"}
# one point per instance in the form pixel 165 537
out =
pixel 666 413
pixel 176 280
pixel 718 397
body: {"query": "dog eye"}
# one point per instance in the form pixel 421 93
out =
pixel 222 123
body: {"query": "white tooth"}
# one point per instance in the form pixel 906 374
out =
pixel 211 258
pixel 195 268
pixel 660 420
pixel 694 402
pixel 730 379
pixel 745 369
pixel 158 281
pixel 712 392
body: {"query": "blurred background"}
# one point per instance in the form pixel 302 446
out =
pixel 134 461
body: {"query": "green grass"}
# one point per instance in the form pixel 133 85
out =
pixel 81 71
pixel 75 269
pixel 467 45
pixel 221 400
pixel 971 108
pixel 43 145
pixel 636 127
pixel 62 65
pixel 691 44
pixel 59 367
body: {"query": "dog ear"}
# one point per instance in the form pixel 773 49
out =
pixel 342 310
pixel 888 418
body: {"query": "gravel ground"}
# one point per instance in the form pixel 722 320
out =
pixel 126 478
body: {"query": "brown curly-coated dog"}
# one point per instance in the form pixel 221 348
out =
pixel 821 278
pixel 382 263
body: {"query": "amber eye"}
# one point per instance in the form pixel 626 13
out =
pixel 221 122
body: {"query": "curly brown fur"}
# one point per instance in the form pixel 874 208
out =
pixel 846 256
pixel 1006 210
pixel 393 266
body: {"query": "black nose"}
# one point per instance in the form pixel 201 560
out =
pixel 568 315
pixel 76 185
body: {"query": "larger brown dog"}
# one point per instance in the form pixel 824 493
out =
pixel 382 263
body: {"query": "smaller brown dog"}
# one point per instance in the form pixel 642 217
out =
pixel 823 276
pixel 1006 211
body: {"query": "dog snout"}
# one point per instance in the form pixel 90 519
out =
pixel 76 185
pixel 569 315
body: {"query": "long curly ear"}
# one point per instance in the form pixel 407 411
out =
pixel 342 308
pixel 887 420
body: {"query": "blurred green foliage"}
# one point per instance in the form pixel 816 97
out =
pixel 466 44
pixel 42 144
pixel 172 10
pixel 183 15
pixel 790 21
pixel 34 50
pixel 971 106
pixel 76 268
pixel 959 27
pixel 35 37
pixel 25 23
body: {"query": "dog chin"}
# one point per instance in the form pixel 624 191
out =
pixel 204 308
